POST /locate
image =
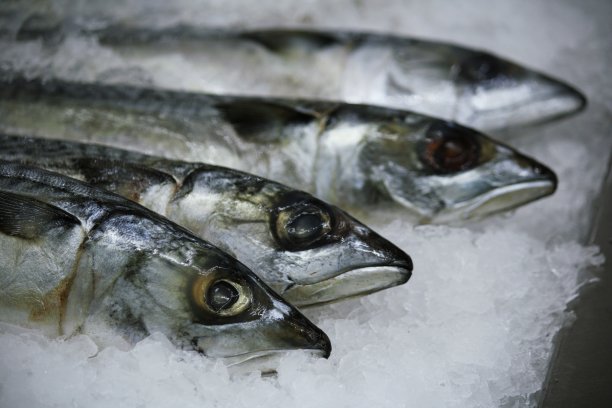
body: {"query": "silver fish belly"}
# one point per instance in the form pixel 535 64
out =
pixel 308 251
pixel 473 87
pixel 361 158
pixel 76 259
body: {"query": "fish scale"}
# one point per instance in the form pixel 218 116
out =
pixel 471 86
pixel 361 158
pixel 77 259
pixel 248 216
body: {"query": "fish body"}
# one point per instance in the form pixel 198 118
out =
pixel 307 250
pixel 76 259
pixel 472 87
pixel 361 158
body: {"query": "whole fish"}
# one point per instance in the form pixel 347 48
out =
pixel 308 251
pixel 470 86
pixel 358 157
pixel 77 259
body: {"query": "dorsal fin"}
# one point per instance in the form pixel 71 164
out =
pixel 280 41
pixel 124 178
pixel 29 218
pixel 260 122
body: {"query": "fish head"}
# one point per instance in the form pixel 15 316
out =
pixel 333 256
pixel 445 172
pixel 307 250
pixel 477 88
pixel 203 298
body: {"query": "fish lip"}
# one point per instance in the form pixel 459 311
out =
pixel 470 208
pixel 288 332
pixel 265 354
pixel 322 348
pixel 376 278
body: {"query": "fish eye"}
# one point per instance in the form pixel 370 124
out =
pixel 449 149
pixel 302 226
pixel 221 297
pixel 480 67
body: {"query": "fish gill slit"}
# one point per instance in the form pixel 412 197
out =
pixel 323 120
pixel 66 285
pixel 178 184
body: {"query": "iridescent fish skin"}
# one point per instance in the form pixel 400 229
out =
pixel 307 250
pixel 361 158
pixel 473 87
pixel 77 259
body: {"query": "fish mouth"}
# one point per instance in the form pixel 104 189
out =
pixel 321 348
pixel 274 333
pixel 352 283
pixel 540 108
pixel 267 359
pixel 500 199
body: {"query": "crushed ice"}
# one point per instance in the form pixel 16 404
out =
pixel 475 324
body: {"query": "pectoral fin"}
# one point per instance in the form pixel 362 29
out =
pixel 26 217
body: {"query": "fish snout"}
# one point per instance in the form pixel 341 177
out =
pixel 546 174
pixel 532 99
pixel 404 268
pixel 533 171
pixel 387 253
pixel 308 336
pixel 570 99
pixel 522 180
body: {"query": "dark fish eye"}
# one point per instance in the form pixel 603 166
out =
pixel 221 296
pixel 449 149
pixel 306 225
pixel 302 226
pixel 480 67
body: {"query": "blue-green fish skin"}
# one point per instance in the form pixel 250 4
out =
pixel 307 250
pixel 470 86
pixel 76 259
pixel 361 158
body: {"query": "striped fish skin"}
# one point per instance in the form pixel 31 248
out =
pixel 77 259
pixel 361 158
pixel 470 86
pixel 308 251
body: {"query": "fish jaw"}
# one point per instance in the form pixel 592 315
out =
pixel 352 283
pixel 277 332
pixel 267 362
pixel 371 264
pixel 442 171
pixel 504 199
pixel 519 180
pixel 476 88
pixel 536 99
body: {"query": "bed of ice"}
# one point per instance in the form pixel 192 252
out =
pixel 474 327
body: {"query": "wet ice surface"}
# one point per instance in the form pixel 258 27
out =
pixel 472 328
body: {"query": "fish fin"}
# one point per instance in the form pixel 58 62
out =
pixel 261 122
pixel 279 41
pixel 29 218
pixel 124 178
